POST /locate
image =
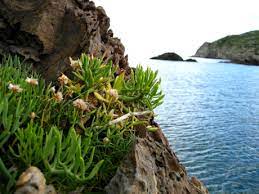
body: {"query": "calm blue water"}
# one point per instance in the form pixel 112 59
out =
pixel 211 118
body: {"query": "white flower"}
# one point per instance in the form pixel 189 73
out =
pixel 75 64
pixel 63 79
pixel 15 88
pixel 32 81
pixel 32 115
pixel 113 93
pixel 80 104
pixel 58 96
pixel 52 89
pixel 106 140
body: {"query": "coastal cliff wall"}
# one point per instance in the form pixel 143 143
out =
pixel 46 33
pixel 242 48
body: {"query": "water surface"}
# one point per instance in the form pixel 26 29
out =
pixel 211 117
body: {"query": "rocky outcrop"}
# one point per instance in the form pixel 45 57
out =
pixel 47 32
pixel 32 181
pixel 151 168
pixel 191 60
pixel 203 51
pixel 169 56
pixel 242 48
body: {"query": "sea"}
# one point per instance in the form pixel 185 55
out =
pixel 210 116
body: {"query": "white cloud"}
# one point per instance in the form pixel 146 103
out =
pixel 150 27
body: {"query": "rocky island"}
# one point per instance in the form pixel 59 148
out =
pixel 243 48
pixel 171 56
pixel 51 35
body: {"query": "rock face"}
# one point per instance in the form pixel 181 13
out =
pixel 242 48
pixel 32 181
pixel 152 168
pixel 47 32
pixel 169 56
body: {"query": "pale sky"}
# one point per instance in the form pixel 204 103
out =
pixel 151 27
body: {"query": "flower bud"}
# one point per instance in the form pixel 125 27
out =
pixel 106 140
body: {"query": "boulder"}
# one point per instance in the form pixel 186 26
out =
pixel 32 181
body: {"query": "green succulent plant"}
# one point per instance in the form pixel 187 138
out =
pixel 78 132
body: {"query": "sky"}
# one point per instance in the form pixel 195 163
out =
pixel 150 27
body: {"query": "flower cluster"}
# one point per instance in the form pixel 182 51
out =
pixel 31 81
pixel 63 79
pixel 58 97
pixel 75 64
pixel 15 88
pixel 80 104
pixel 113 93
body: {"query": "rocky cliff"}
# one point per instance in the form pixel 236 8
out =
pixel 46 33
pixel 242 48
pixel 152 168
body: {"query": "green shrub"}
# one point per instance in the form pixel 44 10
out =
pixel 77 132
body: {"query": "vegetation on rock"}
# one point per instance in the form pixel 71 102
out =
pixel 76 132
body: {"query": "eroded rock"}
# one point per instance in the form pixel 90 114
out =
pixel 152 168
pixel 47 32
pixel 32 181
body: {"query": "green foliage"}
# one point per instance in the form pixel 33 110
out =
pixel 246 40
pixel 94 73
pixel 61 156
pixel 71 133
pixel 143 87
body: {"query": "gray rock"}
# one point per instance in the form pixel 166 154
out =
pixel 32 181
pixel 152 168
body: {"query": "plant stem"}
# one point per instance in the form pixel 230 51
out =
pixel 122 118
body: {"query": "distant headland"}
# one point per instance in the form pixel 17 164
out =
pixel 243 48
